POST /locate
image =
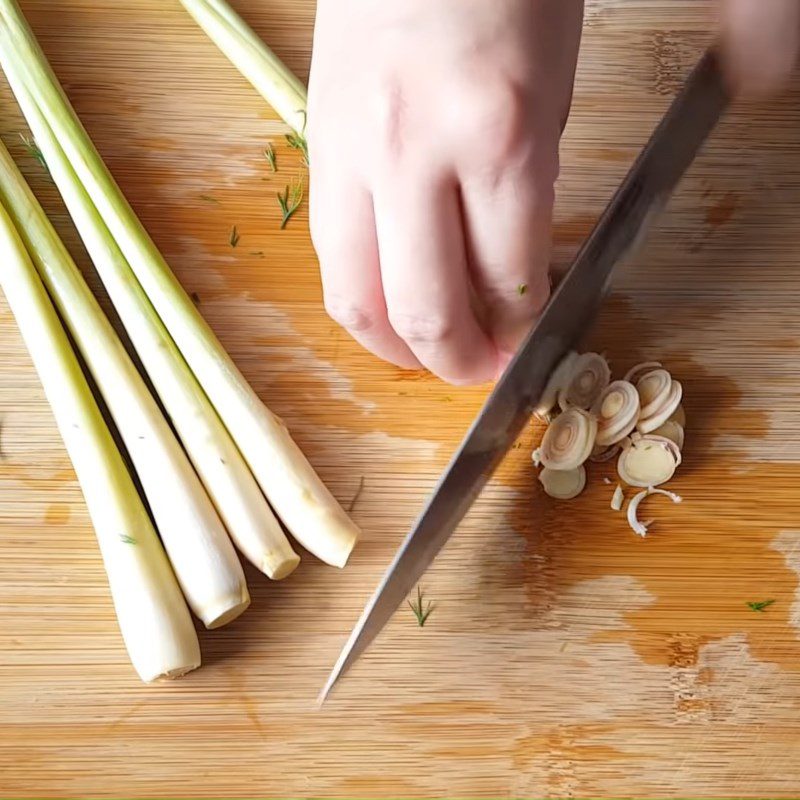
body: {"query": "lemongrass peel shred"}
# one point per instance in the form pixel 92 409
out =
pixel 641 528
pixel 617 499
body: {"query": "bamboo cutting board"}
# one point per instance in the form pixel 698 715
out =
pixel 564 656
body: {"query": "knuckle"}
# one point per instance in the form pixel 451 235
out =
pixel 416 328
pixel 350 315
pixel 498 113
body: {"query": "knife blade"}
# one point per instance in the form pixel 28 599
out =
pixel 646 188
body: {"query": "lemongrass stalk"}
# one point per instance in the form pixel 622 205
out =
pixel 295 491
pixel 221 467
pixel 229 483
pixel 201 553
pixel 153 618
pixel 269 76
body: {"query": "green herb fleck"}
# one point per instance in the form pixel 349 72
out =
pixel 421 611
pixel 195 298
pixel 127 540
pixel 759 605
pixel 209 199
pixel 234 240
pixel 290 201
pixel 269 154
pixel 356 496
pixel 259 253
pixel 297 141
pixel 522 289
pixel 33 149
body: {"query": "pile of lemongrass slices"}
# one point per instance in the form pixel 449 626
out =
pixel 224 473
pixel 639 421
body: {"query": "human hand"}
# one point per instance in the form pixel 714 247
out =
pixel 433 137
pixel 760 42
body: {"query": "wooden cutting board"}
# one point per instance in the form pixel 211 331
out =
pixel 564 656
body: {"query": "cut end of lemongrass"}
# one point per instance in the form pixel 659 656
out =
pixel 172 674
pixel 226 611
pixel 335 540
pixel 278 566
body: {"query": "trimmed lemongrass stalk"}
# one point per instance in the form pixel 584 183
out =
pixel 221 467
pixel 268 75
pixel 196 541
pixel 153 618
pixel 295 491
pixel 201 554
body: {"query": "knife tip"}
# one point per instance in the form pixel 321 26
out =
pixel 326 690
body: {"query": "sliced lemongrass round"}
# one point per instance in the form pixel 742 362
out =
pixel 590 375
pixel 536 457
pixel 568 442
pixel 560 376
pixel 641 528
pixel 671 430
pixel 617 412
pixel 663 441
pixel 648 424
pixel 640 369
pixel 601 454
pixel 653 388
pixel 679 416
pixel 563 484
pixel 617 499
pixel 646 463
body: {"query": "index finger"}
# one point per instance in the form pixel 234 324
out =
pixel 426 281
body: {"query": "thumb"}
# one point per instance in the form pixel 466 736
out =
pixel 760 43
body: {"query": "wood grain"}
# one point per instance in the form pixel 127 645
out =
pixel 565 657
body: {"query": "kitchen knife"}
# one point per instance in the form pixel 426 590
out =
pixel 646 188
